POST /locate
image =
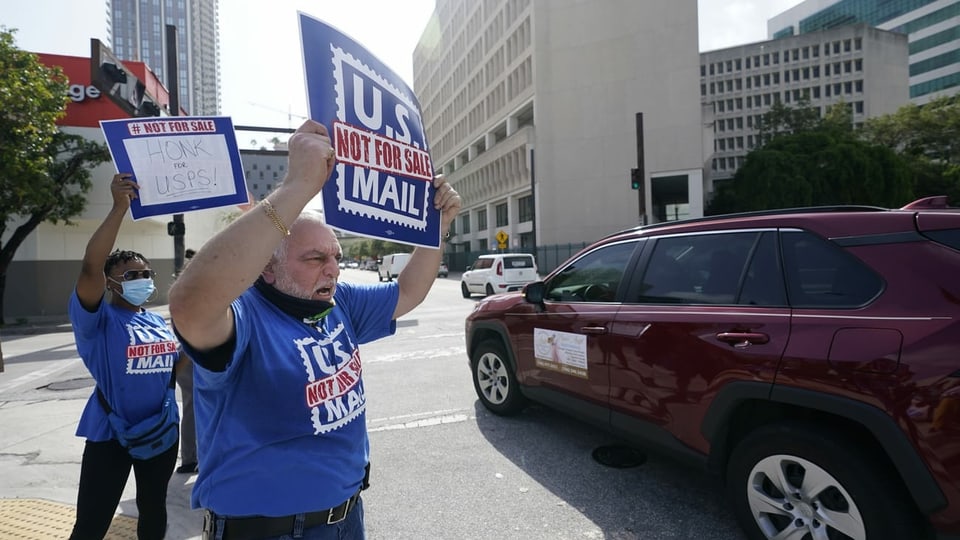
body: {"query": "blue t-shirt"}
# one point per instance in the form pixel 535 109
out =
pixel 130 354
pixel 282 430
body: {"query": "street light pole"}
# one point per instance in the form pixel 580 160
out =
pixel 176 228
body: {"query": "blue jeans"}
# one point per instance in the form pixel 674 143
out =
pixel 350 528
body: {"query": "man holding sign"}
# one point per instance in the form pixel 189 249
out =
pixel 275 338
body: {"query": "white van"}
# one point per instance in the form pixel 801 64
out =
pixel 391 265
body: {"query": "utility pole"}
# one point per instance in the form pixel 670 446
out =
pixel 638 175
pixel 175 228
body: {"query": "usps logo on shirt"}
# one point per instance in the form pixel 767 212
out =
pixel 150 350
pixel 334 392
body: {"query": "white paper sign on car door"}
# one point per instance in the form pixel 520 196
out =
pixel 560 351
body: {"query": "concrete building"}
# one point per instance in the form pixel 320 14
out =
pixel 932 28
pixel 138 33
pixel 537 110
pixel 264 170
pixel 44 270
pixel 859 65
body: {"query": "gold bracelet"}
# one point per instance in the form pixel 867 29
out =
pixel 272 214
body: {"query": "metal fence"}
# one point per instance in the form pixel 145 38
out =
pixel 548 257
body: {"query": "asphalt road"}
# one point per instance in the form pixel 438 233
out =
pixel 442 467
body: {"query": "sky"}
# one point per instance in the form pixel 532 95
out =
pixel 261 64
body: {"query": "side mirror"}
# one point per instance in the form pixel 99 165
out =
pixel 533 292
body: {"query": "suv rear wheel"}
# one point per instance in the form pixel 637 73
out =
pixel 494 381
pixel 792 481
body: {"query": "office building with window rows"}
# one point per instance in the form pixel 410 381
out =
pixel 537 111
pixel 931 26
pixel 858 65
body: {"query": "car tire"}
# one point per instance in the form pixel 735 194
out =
pixel 860 492
pixel 464 290
pixel 489 289
pixel 494 380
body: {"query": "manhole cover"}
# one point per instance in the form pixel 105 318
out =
pixel 71 384
pixel 619 457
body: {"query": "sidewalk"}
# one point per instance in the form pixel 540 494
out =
pixel 40 453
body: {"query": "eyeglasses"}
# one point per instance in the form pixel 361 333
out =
pixel 130 275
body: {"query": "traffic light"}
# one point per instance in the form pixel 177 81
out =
pixel 176 228
pixel 635 179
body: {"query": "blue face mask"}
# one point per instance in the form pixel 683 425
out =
pixel 136 291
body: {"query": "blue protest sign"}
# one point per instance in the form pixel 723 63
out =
pixel 181 163
pixel 382 186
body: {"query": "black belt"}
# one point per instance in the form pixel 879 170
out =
pixel 253 528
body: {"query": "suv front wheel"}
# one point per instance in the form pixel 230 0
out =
pixel 494 381
pixel 791 481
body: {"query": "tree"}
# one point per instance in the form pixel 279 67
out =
pixel 928 138
pixel 781 119
pixel 44 173
pixel 825 163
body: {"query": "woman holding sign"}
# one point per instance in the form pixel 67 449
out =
pixel 279 396
pixel 131 354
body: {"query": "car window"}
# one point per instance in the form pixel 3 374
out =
pixel 947 237
pixel 481 264
pixel 763 284
pixel 697 269
pixel 822 275
pixel 517 262
pixel 594 277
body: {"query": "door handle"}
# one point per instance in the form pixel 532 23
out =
pixel 742 340
pixel 596 330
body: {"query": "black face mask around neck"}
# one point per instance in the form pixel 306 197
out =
pixel 310 311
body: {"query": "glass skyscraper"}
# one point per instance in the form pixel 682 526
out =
pixel 138 33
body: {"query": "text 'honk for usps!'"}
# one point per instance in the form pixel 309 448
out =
pixel 370 150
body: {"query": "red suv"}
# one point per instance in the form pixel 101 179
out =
pixel 810 356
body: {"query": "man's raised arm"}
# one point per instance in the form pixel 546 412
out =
pixel 231 261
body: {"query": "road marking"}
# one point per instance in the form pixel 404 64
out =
pixel 424 422
pixel 414 355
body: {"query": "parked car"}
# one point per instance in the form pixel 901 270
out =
pixel 496 273
pixel 443 271
pixel 811 357
pixel 391 265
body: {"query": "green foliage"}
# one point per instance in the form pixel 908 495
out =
pixel 781 119
pixel 44 173
pixel 931 130
pixel 928 138
pixel 32 98
pixel 823 165
pixel 373 248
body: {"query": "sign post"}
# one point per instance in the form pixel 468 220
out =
pixel 176 228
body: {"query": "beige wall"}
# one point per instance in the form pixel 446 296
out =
pixel 595 66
